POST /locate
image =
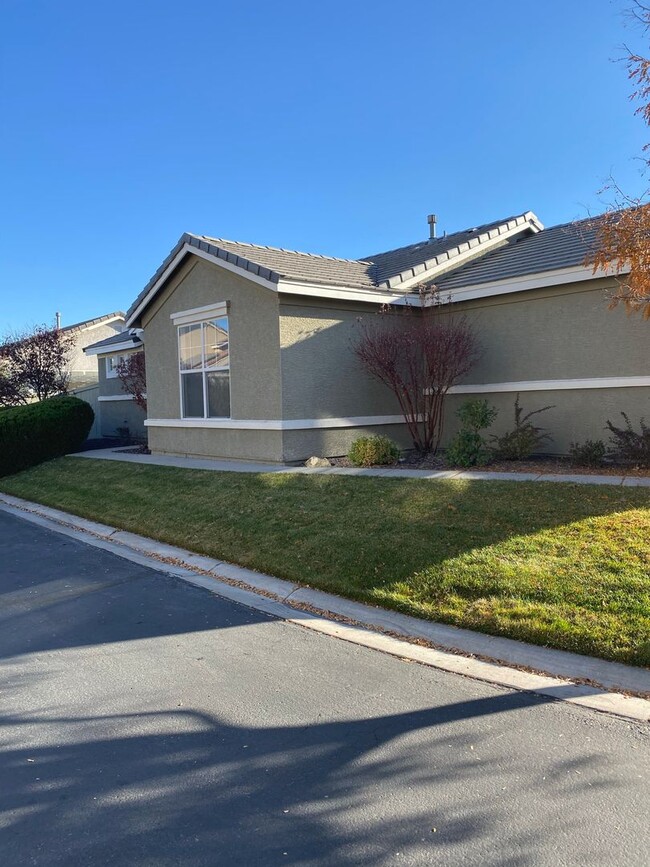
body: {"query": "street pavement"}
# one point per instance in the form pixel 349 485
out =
pixel 145 721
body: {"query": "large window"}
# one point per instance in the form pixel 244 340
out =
pixel 204 362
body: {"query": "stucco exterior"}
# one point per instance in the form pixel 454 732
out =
pixel 255 383
pixel 297 388
pixel 115 409
pixel 83 368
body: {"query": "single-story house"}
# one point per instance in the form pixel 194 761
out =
pixel 116 411
pixel 249 348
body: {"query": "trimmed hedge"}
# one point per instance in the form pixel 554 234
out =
pixel 38 432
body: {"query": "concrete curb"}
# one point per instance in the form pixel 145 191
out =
pixel 583 681
pixel 233 466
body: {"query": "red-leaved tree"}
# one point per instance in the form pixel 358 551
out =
pixel 133 377
pixel 34 365
pixel 418 355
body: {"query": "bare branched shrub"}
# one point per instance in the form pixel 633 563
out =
pixel 419 356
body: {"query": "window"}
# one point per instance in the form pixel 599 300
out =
pixel 204 364
pixel 112 363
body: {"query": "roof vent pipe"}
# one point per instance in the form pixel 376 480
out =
pixel 58 320
pixel 432 220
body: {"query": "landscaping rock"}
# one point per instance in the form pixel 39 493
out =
pixel 317 462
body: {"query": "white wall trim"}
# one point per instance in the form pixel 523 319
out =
pixel 375 420
pixel 276 424
pixel 107 398
pixel 552 384
pixel 342 293
pixel 198 314
pixel 557 277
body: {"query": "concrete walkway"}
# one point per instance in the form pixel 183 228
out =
pixel 253 467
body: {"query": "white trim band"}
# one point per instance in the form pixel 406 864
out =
pixel 552 384
pixel 276 424
pixel 107 398
pixel 200 314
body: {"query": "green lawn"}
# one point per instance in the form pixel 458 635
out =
pixel 562 565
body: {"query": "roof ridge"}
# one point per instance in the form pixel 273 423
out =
pixel 210 239
pixel 475 228
pixel 94 320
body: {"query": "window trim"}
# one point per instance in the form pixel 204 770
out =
pixel 111 372
pixel 183 320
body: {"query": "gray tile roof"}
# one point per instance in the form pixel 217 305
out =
pixel 114 340
pixel 557 247
pixel 396 266
pixel 294 265
pixel 382 271
pixel 78 326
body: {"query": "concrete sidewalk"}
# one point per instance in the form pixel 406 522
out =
pixel 254 467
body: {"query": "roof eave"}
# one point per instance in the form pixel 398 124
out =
pixel 190 244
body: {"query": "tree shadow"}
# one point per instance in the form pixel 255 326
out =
pixel 183 787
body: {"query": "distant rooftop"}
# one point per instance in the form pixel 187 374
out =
pixel 89 323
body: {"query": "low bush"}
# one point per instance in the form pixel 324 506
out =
pixel 368 451
pixel 469 448
pixel 524 438
pixel 628 445
pixel 590 453
pixel 39 431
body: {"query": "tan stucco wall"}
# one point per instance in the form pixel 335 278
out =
pixel 321 377
pixel 577 414
pixel 292 358
pixel 300 444
pixel 250 445
pixel 83 368
pixel 108 385
pixel 254 343
pixel 563 332
pixel 121 413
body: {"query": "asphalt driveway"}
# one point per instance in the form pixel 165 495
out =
pixel 148 722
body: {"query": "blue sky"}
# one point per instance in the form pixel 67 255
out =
pixel 327 127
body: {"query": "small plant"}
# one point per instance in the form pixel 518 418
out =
pixel 374 450
pixel 629 445
pixel 524 438
pixel 469 448
pixel 590 453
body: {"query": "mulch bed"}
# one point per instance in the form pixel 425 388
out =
pixel 136 450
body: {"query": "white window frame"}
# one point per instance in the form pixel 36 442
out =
pixel 111 372
pixel 182 320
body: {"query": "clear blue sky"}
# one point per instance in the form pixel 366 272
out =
pixel 328 127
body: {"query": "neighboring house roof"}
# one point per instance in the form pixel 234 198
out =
pixel 393 270
pixel 93 323
pixel 119 342
pixel 563 246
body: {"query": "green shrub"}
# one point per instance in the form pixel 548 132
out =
pixel 368 451
pixel 590 453
pixel 41 431
pixel 469 448
pixel 524 438
pixel 629 445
